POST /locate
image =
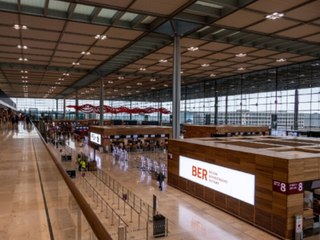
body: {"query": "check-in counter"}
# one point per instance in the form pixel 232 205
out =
pixel 129 137
pixel 196 131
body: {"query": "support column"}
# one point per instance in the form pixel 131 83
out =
pixel 226 111
pixel 57 108
pixel 215 104
pixel 185 107
pixel 296 110
pixel 101 102
pixel 64 108
pixel 241 103
pixel 276 102
pixel 77 104
pixel 130 108
pixel 176 87
pixel 160 115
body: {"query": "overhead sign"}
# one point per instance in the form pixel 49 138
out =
pixel 96 138
pixel 239 185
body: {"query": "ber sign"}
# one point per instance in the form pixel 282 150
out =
pixel 231 182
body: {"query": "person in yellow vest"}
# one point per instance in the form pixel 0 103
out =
pixel 83 165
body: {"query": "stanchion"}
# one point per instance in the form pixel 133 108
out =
pixel 118 202
pixel 139 215
pixel 112 222
pixel 106 211
pixel 130 215
pixel 147 230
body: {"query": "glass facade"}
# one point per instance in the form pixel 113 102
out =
pixel 290 93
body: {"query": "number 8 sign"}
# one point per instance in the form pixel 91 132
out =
pixel 287 188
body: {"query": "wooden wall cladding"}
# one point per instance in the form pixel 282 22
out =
pixel 194 131
pixel 107 131
pixel 246 211
pixel 129 130
pixel 272 211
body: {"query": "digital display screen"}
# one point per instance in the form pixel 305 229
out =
pixel 239 185
pixel 96 138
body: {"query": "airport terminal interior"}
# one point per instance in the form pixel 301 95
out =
pixel 171 119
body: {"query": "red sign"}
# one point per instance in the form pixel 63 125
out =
pixel 287 188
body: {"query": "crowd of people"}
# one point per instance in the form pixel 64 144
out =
pixel 10 119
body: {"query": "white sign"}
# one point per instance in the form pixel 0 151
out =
pixel 299 223
pixel 96 138
pixel 239 185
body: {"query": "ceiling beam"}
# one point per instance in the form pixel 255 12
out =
pixel 32 67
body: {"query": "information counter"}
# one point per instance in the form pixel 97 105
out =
pixel 129 137
pixel 262 180
pixel 196 131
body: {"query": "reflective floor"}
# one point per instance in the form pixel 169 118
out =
pixel 22 213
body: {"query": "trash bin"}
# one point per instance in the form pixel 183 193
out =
pixel 159 225
pixel 121 232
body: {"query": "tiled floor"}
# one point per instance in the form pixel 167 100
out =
pixel 22 211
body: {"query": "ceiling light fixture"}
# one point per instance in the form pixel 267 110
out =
pixel 65 74
pixel 241 69
pixel 241 55
pixel 152 88
pixel 76 63
pixel 281 60
pixel 120 77
pixel 128 86
pixel 22 46
pixel 61 79
pixel 212 75
pixel 100 37
pixel 85 53
pixel 139 84
pixel 110 82
pixel 192 49
pixel 274 16
pixel 142 69
pixel 205 65
pixel 24 77
pixel 165 85
pixel 23 59
pixel 152 80
pixel 163 60
pixel 17 27
pixel 137 91
pixel 181 72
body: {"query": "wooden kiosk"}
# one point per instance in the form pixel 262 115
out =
pixel 104 136
pixel 262 180
pixel 195 131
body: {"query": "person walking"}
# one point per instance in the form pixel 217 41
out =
pixel 160 179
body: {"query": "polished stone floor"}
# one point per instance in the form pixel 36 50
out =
pixel 22 209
